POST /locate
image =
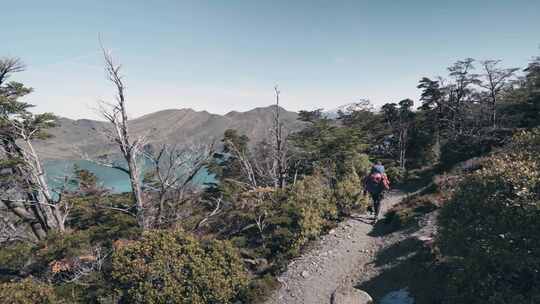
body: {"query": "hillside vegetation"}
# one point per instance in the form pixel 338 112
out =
pixel 489 228
pixel 171 240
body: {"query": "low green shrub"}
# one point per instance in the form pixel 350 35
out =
pixel 360 163
pixel 173 267
pixel 465 147
pixel 396 175
pixel 307 211
pixel 102 223
pixel 259 289
pixel 27 291
pixel 408 212
pixel 15 257
pixel 348 194
pixel 489 229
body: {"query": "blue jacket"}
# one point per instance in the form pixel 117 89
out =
pixel 377 169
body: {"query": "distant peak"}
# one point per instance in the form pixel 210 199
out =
pixel 256 110
pixel 361 105
pixel 170 112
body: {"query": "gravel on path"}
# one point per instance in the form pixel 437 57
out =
pixel 337 259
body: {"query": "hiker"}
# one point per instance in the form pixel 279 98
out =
pixel 376 183
pixel 377 168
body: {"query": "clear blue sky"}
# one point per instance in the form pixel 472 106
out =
pixel 228 55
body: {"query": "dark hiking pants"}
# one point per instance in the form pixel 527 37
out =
pixel 377 198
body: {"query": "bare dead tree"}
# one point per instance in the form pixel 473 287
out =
pixel 25 192
pixel 131 149
pixel 217 204
pixel 280 160
pixel 264 171
pixel 87 265
pixel 258 182
pixel 269 165
pixel 77 269
pixel 495 80
pixel 53 208
pixel 261 222
pixel 246 165
pixel 171 178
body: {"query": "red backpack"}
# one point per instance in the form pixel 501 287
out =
pixel 377 182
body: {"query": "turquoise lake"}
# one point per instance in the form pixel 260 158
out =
pixel 112 179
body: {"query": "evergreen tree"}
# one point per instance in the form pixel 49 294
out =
pixel 25 192
pixel 532 117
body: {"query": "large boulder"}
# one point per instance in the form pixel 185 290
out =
pixel 350 295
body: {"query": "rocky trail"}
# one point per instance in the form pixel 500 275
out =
pixel 335 261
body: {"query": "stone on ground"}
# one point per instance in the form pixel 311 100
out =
pixel 350 295
pixel 401 296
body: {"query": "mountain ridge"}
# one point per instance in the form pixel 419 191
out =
pixel 185 126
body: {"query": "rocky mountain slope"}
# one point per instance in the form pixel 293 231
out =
pixel 176 126
pixel 361 105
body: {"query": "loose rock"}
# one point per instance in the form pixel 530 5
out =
pixel 350 295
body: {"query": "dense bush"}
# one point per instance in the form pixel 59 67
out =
pixel 409 211
pixel 489 229
pixel 311 206
pixel 172 267
pixel 20 258
pixel 103 223
pixel 348 194
pixel 396 175
pixel 276 224
pixel 309 209
pixel 259 289
pixel 14 257
pixel 465 147
pixel 27 291
pixel 360 163
pixel 77 261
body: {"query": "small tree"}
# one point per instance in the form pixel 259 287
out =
pixel 170 181
pixel 460 92
pixel 400 120
pixel 432 98
pixel 25 191
pixel 495 79
pixel 533 88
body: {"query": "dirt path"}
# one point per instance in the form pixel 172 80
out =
pixel 337 259
pixel 402 268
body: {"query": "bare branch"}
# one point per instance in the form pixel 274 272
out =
pixel 131 149
pixel 9 66
pixel 217 210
